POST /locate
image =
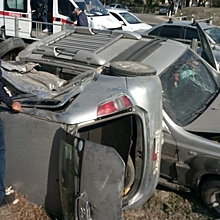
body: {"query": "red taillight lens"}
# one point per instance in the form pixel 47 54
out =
pixel 126 101
pixel 118 104
pixel 107 108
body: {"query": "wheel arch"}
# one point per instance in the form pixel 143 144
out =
pixel 204 178
pixel 201 168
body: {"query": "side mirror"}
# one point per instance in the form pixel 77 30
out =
pixel 122 23
pixel 213 46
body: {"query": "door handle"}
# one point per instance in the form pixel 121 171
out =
pixel 193 153
pixel 24 15
pixel 58 19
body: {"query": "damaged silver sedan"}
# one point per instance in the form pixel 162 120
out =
pixel 87 146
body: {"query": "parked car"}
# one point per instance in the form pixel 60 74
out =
pixel 185 31
pixel 117 6
pixel 191 149
pixel 195 4
pixel 164 9
pixel 129 21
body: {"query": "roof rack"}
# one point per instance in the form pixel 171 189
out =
pixel 181 17
pixel 207 20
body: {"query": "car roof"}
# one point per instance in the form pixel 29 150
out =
pixel 188 23
pixel 118 11
pixel 185 23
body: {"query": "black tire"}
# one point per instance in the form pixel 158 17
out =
pixel 130 68
pixel 130 174
pixel 210 193
pixel 11 44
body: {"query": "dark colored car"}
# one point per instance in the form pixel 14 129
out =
pixel 185 31
pixel 164 9
pixel 195 4
pixel 191 99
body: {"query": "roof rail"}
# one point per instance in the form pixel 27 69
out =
pixel 207 20
pixel 181 17
pixel 170 20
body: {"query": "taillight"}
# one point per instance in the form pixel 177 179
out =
pixel 113 106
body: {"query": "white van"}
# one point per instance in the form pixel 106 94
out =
pixel 17 19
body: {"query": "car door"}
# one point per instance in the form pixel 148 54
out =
pixel 168 31
pixel 91 180
pixel 207 52
pixel 190 33
pixel 122 21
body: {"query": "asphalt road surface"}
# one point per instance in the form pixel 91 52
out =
pixel 151 19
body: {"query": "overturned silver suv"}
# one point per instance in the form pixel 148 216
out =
pixel 87 143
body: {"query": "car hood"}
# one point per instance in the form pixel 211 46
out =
pixel 140 26
pixel 108 22
pixel 208 121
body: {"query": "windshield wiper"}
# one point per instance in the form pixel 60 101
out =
pixel 212 97
pixel 198 112
pixel 201 110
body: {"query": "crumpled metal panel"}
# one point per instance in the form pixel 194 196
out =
pixel 19 66
pixel 40 83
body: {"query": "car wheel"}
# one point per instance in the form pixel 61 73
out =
pixel 130 174
pixel 130 68
pixel 210 193
pixel 10 45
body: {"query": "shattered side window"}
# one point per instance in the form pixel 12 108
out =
pixel 188 88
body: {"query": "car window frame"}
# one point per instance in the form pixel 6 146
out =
pixel 189 40
pixel 165 26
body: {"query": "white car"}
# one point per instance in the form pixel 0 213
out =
pixel 129 21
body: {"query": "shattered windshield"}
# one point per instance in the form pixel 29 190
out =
pixel 214 33
pixel 92 7
pixel 188 88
